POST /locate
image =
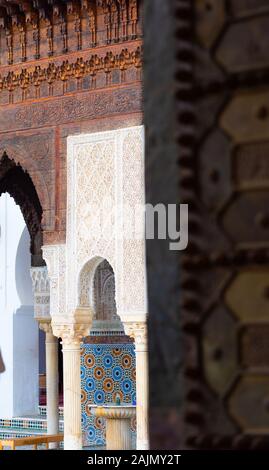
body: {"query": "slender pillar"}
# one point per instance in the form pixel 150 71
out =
pixel 142 394
pixel 72 395
pixel 72 329
pixel 52 380
pixel 138 331
pixel 41 290
pixel 52 383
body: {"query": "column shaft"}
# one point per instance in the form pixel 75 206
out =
pixel 52 384
pixel 137 329
pixel 72 396
pixel 142 398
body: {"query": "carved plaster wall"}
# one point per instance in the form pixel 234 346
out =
pixel 104 171
pixel 105 318
pixel 41 292
pixel 55 257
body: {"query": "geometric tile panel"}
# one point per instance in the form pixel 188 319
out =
pixel 107 371
pixel 43 411
pixel 27 426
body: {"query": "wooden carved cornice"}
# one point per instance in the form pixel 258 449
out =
pixel 64 25
pixel 62 73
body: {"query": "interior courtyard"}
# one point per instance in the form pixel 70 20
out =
pixel 73 282
pixel 113 336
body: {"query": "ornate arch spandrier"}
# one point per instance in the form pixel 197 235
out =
pixel 17 182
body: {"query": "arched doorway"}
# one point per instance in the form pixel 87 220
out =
pixel 19 391
pixel 17 182
pixel 108 370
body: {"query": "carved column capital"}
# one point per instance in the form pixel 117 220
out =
pixel 71 334
pixel 41 291
pixel 138 330
pixel 72 329
pixel 45 326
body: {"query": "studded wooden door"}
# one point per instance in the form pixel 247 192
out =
pixel 224 166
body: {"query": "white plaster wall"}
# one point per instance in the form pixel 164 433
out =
pixel 19 330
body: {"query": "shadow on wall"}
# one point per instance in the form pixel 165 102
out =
pixel 22 270
pixel 2 365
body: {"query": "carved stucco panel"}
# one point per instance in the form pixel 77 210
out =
pixel 133 247
pixel 55 257
pixel 106 170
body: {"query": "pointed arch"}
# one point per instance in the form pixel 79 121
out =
pixel 18 183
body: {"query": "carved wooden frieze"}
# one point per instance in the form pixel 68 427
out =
pixel 35 29
pixel 83 106
pixel 61 77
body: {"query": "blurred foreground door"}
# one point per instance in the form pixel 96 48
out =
pixel 224 167
pixel 208 146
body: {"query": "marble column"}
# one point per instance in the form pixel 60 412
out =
pixel 52 380
pixel 138 331
pixel 72 394
pixel 41 290
pixel 72 330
